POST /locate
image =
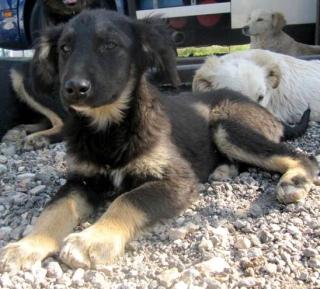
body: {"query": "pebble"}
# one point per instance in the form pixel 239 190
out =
pixel 54 270
pixel 271 268
pixel 205 245
pixel 310 252
pixel 314 262
pixel 168 277
pixel 243 243
pixel 3 169
pixel 177 233
pixel 38 189
pixel 265 236
pixel 5 233
pixel 78 277
pixel 5 281
pixel 3 159
pixel 96 278
pixel 180 285
pixel 213 266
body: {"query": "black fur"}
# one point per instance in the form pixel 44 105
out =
pixel 150 150
pixel 13 112
pixel 148 116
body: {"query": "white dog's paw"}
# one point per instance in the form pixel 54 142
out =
pixel 92 247
pixel 293 188
pixel 21 255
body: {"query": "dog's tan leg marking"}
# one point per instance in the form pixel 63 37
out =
pixel 52 226
pixel 297 177
pixel 55 120
pixel 101 243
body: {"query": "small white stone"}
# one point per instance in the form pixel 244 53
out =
pixel 78 277
pixel 205 245
pixel 177 233
pixel 168 277
pixel 190 274
pixel 54 270
pixel 180 285
pixel 243 243
pixel 5 281
pixel 191 227
pixel 215 265
pixel 248 282
pixel 310 252
pixel 3 169
pixel 28 277
pixel 314 262
pixel 271 268
pixel 293 230
pixel 38 189
pixel 5 233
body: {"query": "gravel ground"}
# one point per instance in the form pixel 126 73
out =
pixel 235 236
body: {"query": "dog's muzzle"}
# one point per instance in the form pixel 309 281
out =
pixel 245 30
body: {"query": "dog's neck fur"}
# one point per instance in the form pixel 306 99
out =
pixel 143 120
pixel 269 40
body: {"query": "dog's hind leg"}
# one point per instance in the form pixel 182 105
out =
pixel 52 226
pixel 55 120
pixel 246 145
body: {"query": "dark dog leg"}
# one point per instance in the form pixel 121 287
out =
pixel 246 145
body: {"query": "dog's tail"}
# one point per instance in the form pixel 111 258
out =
pixel 292 132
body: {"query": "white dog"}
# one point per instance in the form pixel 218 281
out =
pixel 265 31
pixel 285 85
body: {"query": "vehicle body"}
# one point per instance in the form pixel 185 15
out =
pixel 196 22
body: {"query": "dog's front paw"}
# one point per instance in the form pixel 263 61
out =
pixel 32 142
pixel 21 255
pixel 92 247
pixel 293 188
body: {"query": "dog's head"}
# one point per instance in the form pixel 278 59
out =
pixel 239 74
pixel 67 7
pixel 261 22
pixel 97 58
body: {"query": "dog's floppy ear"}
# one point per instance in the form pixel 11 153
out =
pixel 156 39
pixel 273 74
pixel 44 65
pixel 278 21
pixel 204 77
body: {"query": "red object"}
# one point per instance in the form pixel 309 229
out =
pixel 177 23
pixel 208 20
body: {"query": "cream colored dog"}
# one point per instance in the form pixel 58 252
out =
pixel 265 31
pixel 285 85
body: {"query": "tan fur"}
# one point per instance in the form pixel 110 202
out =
pixel 268 34
pixel 278 21
pixel 56 121
pixel 53 225
pixel 104 241
pixel 102 116
pixel 247 114
pixel 153 163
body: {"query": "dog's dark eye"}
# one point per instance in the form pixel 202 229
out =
pixel 260 98
pixel 259 19
pixel 65 48
pixel 109 45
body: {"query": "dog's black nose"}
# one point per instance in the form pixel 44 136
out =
pixel 245 29
pixel 77 89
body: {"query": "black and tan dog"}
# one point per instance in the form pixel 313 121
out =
pixel 151 150
pixel 163 48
